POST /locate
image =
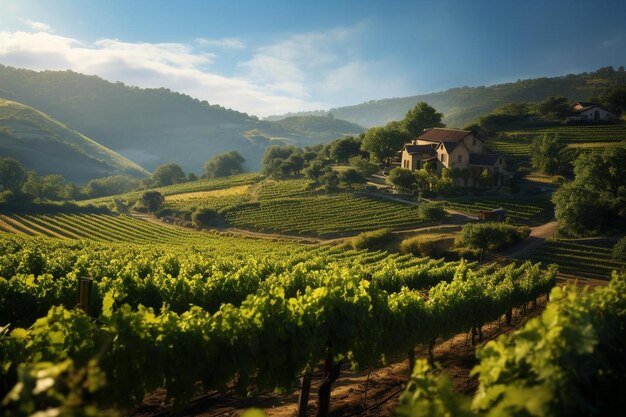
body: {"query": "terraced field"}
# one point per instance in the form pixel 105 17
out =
pixel 101 227
pixel 323 215
pixel 586 137
pixel 208 184
pixel 519 210
pixel 579 257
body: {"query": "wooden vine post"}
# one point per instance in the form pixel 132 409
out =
pixel 411 355
pixel 331 373
pixel 509 316
pixel 85 289
pixel 303 398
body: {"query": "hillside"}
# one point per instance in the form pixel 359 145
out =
pixel 463 105
pixel 152 126
pixel 49 147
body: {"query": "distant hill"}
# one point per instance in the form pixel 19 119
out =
pixel 463 105
pixel 309 130
pixel 49 147
pixel 153 126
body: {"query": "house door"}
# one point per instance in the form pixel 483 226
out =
pixel 596 115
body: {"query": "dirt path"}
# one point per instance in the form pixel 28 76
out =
pixel 538 236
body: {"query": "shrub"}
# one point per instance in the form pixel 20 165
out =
pixel 206 217
pixel 619 250
pixel 373 239
pixel 432 212
pixel 152 200
pixel 491 235
pixel 417 246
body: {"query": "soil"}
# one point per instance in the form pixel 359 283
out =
pixel 371 392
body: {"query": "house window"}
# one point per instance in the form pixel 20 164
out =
pixel 443 158
pixel 460 158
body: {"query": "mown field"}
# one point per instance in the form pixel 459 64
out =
pixel 584 137
pixel 580 257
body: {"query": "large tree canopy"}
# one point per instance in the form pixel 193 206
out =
pixel 223 165
pixel 168 174
pixel 421 117
pixel 596 199
pixel 12 174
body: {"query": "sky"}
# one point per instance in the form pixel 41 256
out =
pixel 274 57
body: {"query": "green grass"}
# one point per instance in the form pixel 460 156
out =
pixel 579 257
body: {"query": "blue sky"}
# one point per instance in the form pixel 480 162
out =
pixel 273 57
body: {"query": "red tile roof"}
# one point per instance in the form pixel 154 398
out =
pixel 438 134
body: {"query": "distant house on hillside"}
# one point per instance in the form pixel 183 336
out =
pixel 590 112
pixel 455 149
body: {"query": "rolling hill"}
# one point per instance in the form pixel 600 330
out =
pixel 463 105
pixel 49 147
pixel 153 126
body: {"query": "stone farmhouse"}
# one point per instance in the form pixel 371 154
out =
pixel 590 112
pixel 461 151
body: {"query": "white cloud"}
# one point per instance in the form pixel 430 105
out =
pixel 39 26
pixel 223 43
pixel 300 72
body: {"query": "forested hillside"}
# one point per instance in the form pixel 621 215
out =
pixel 152 126
pixel 463 105
pixel 47 146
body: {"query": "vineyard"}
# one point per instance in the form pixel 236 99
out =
pixel 208 184
pixel 101 227
pixel 568 362
pixel 582 137
pixel 519 210
pixel 287 207
pixel 591 257
pixel 266 312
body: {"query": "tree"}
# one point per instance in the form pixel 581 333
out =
pixel 343 149
pixel 580 211
pixel 275 161
pixel 492 236
pixel 383 142
pixel 329 181
pixel 432 212
pixel 168 174
pixel 548 154
pixel 315 170
pixel 51 187
pixel 206 217
pixel 614 100
pixel 296 162
pixel 12 174
pixel 554 107
pixel 401 178
pixel 596 199
pixel 350 177
pixel 363 166
pixel 152 200
pixel 115 184
pixel 421 117
pixel 224 164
